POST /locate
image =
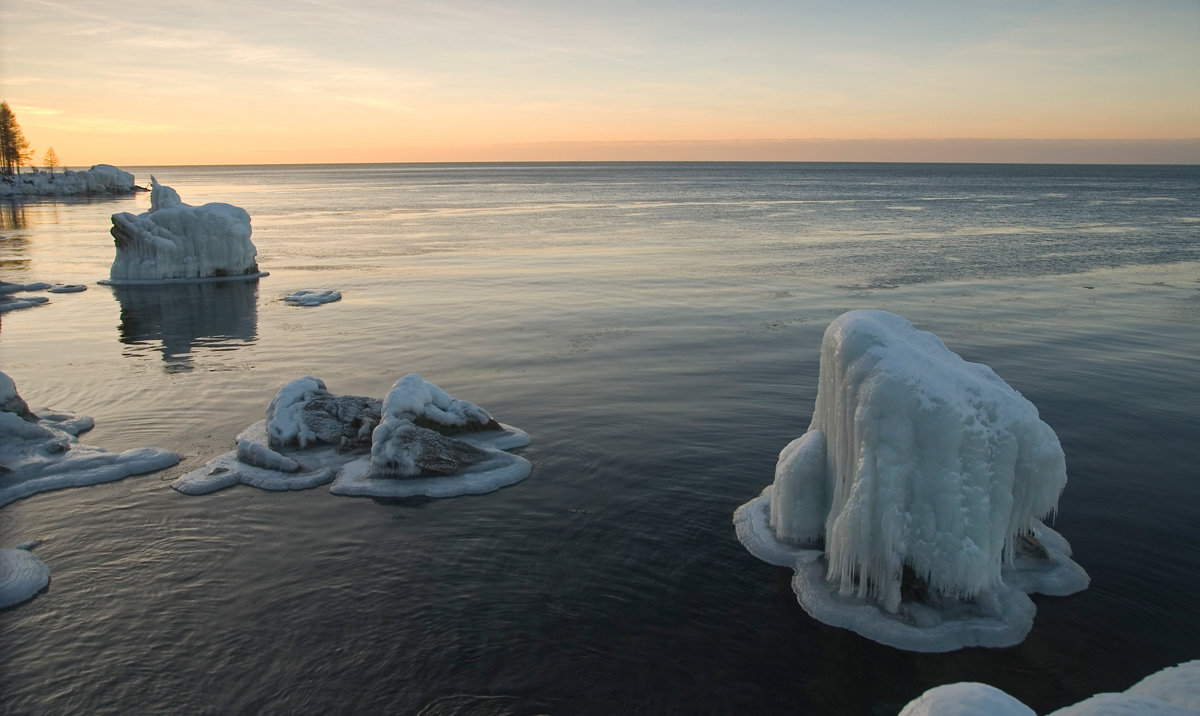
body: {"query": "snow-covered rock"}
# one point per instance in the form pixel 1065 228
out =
pixel 176 241
pixel 41 452
pixel 1174 691
pixel 22 575
pixel 100 179
pixel 312 297
pixel 911 509
pixel 417 441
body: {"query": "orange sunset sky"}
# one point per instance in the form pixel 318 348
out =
pixel 283 81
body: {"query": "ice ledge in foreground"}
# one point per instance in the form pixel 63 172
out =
pixel 1174 691
pixel 174 241
pixel 911 509
pixel 100 179
pixel 41 452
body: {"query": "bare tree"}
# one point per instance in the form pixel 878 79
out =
pixel 50 160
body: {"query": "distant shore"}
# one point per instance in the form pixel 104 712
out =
pixel 100 179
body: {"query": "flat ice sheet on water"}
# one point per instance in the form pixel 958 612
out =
pixel 911 509
pixel 41 452
pixel 175 241
pixel 312 297
pixel 22 575
pixel 1174 691
pixel 418 441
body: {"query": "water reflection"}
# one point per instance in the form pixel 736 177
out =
pixel 12 215
pixel 183 320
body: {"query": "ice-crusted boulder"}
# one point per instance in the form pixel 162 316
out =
pixel 22 575
pixel 418 440
pixel 176 241
pixel 100 179
pixel 1174 691
pixel 39 451
pixel 911 509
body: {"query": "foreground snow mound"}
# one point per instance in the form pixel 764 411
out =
pixel 417 441
pixel 1174 691
pixel 911 509
pixel 41 452
pixel 176 241
pixel 22 575
pixel 100 179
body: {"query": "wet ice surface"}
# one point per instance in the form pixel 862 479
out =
pixel 923 478
pixel 418 441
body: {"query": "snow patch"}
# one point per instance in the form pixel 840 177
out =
pixel 920 484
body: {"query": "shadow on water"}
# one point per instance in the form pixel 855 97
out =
pixel 180 320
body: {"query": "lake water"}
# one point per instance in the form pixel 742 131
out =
pixel 656 329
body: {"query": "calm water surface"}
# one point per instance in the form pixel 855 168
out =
pixel 655 328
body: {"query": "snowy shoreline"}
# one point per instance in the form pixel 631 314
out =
pixel 99 180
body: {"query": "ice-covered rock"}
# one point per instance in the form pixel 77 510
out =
pixel 1174 691
pixel 417 441
pixel 100 179
pixel 176 241
pixel 312 297
pixel 911 509
pixel 22 575
pixel 41 452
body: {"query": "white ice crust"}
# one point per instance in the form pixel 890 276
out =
pixel 41 451
pixel 966 699
pixel 22 575
pixel 1174 691
pixel 175 241
pixel 915 460
pixel 292 450
pixel 100 179
pixel 312 297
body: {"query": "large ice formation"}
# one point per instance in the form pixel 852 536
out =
pixel 22 575
pixel 176 241
pixel 1174 691
pixel 911 509
pixel 41 452
pixel 100 179
pixel 418 441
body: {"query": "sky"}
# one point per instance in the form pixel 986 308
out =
pixel 146 83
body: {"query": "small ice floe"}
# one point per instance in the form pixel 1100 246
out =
pixel 312 297
pixel 67 288
pixel 41 452
pixel 911 509
pixel 178 242
pixel 1174 691
pixel 22 575
pixel 418 441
